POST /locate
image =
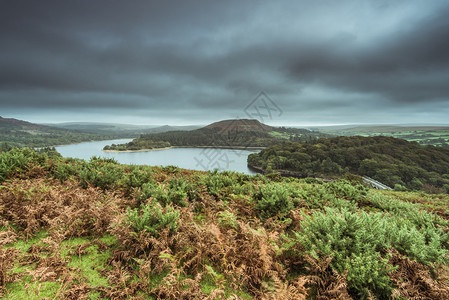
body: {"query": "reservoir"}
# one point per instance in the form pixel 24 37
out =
pixel 203 159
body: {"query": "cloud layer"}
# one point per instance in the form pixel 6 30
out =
pixel 185 62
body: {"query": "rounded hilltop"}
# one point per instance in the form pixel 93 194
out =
pixel 240 125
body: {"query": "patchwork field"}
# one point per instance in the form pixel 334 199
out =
pixel 426 135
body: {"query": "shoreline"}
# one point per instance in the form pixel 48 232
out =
pixel 258 170
pixel 130 151
pixel 77 143
pixel 171 147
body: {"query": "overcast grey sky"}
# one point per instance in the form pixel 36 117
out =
pixel 193 62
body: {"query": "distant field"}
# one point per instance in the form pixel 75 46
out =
pixel 426 135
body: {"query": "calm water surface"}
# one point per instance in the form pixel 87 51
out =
pixel 188 158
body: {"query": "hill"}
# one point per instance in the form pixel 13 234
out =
pixel 245 125
pixel 75 229
pixel 394 162
pixel 18 133
pixel 119 130
pixel 238 133
pixel 426 135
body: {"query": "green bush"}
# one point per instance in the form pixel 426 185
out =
pixel 425 246
pixel 216 182
pixel 273 199
pixel 152 189
pixel 368 275
pixel 19 160
pixel 315 196
pixel 102 173
pixel 344 189
pixel 360 236
pixel 181 190
pixel 176 191
pixel 65 169
pixel 137 176
pixel 399 187
pixel 347 237
pixel 153 218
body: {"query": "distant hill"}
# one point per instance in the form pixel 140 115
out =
pixel 394 162
pixel 437 135
pixel 119 130
pixel 18 133
pixel 227 133
pixel 14 124
pixel 167 128
pixel 245 125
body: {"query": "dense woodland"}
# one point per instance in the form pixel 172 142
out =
pixel 394 162
pixel 76 229
pixel 229 133
pixel 138 144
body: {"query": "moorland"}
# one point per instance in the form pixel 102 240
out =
pixel 96 229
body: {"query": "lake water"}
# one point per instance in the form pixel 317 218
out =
pixel 188 158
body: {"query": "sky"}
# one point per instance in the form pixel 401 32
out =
pixel 291 62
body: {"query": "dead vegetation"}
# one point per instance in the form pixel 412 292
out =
pixel 414 280
pixel 65 209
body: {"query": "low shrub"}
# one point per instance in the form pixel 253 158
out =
pixel 102 173
pixel 19 160
pixel 136 176
pixel 357 240
pixel 152 217
pixel 176 191
pixel 273 199
pixel 344 189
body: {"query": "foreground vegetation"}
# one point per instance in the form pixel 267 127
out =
pixel 73 229
pixel 394 162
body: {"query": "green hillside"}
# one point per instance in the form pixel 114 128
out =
pixel 17 133
pixel 394 162
pixel 72 229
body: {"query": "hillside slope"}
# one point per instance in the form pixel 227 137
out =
pixel 20 133
pixel 119 130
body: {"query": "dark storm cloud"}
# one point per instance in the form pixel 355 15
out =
pixel 411 64
pixel 320 60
